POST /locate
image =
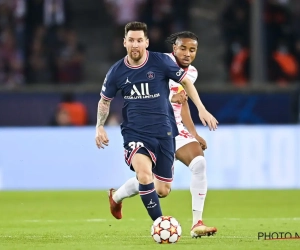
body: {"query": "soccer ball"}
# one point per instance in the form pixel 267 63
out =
pixel 166 229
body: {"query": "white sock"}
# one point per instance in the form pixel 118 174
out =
pixel 198 186
pixel 128 189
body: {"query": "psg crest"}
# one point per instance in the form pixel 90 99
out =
pixel 150 75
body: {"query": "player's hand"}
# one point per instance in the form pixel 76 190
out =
pixel 201 141
pixel 101 137
pixel 208 119
pixel 179 98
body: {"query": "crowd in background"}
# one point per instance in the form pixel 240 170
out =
pixel 281 38
pixel 162 17
pixel 38 43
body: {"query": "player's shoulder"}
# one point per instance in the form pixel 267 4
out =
pixel 158 56
pixel 116 66
pixel 192 69
pixel 171 55
pixel 192 73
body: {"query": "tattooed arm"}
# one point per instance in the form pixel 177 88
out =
pixel 108 92
pixel 103 111
pixel 102 114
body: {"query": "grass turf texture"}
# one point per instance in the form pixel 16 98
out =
pixel 81 220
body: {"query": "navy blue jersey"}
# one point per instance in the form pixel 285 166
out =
pixel 145 89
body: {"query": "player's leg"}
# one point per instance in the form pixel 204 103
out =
pixel 163 188
pixel 129 189
pixel 142 164
pixel 191 154
pixel 163 171
pixel 140 157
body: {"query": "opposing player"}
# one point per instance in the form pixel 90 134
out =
pixel 189 145
pixel 149 126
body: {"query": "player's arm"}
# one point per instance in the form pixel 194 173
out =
pixel 187 119
pixel 189 124
pixel 103 112
pixel 192 93
pixel 179 75
pixel 109 90
pixel 204 115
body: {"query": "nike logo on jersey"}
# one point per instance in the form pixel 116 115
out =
pixel 127 81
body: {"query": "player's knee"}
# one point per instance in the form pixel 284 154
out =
pixel 163 192
pixel 144 176
pixel 198 165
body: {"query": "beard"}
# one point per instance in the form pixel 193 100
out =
pixel 135 55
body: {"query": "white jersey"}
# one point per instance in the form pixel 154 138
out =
pixel 175 88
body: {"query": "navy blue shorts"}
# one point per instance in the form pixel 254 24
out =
pixel 160 150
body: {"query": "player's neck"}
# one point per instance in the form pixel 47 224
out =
pixel 132 62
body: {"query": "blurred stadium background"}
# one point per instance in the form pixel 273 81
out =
pixel 54 55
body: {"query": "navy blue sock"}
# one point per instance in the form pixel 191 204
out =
pixel 150 200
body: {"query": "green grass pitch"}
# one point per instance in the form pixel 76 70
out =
pixel 81 220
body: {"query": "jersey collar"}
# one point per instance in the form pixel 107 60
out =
pixel 137 66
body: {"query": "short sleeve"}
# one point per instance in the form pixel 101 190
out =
pixel 109 87
pixel 172 70
pixel 192 74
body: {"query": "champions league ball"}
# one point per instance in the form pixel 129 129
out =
pixel 166 229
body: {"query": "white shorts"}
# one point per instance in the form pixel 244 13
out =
pixel 183 138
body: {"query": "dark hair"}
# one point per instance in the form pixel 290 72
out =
pixel 136 26
pixel 183 34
